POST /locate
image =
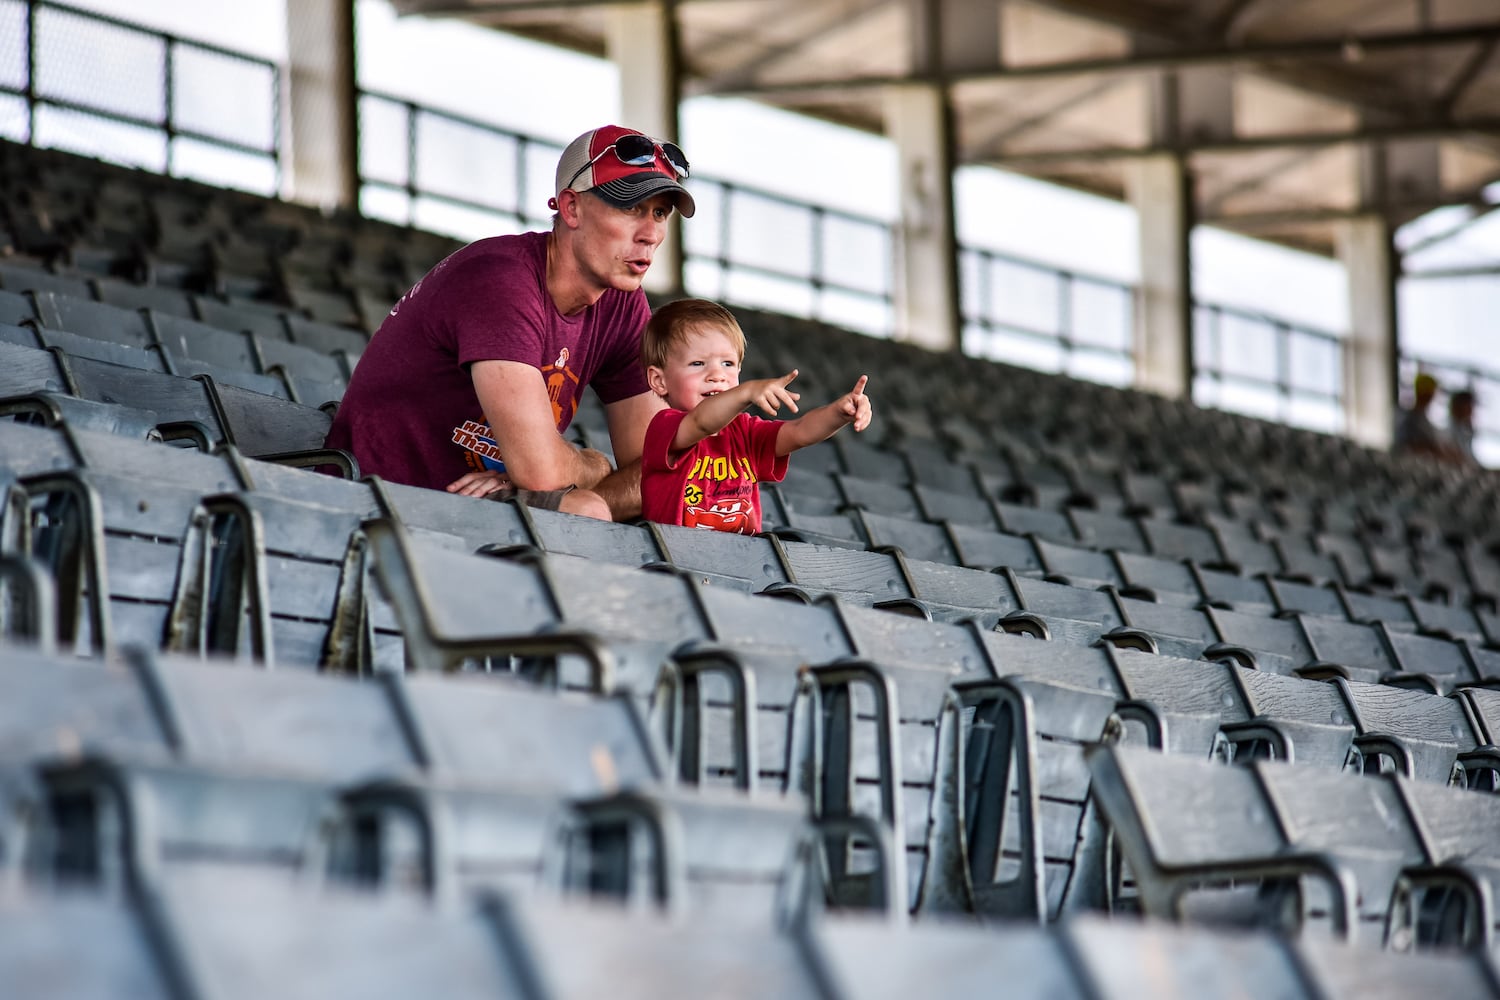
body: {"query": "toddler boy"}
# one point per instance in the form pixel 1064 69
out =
pixel 704 456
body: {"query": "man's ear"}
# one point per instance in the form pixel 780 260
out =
pixel 568 207
pixel 657 380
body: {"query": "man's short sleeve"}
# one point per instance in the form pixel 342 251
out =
pixel 621 374
pixel 499 316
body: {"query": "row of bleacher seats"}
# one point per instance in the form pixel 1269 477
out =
pixel 231 940
pixel 726 671
pixel 161 235
pixel 922 712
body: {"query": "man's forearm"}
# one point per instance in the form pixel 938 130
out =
pixel 593 467
pixel 568 465
pixel 621 489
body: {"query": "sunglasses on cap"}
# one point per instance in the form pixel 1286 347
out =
pixel 637 150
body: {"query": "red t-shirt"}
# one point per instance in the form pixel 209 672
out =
pixel 410 413
pixel 713 484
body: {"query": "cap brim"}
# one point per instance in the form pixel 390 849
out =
pixel 627 192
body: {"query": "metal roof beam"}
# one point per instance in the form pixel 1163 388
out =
pixel 1253 143
pixel 1353 46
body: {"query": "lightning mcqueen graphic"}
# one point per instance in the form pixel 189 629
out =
pixel 727 515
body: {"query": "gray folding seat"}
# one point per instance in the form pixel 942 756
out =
pixel 860 577
pixel 1232 591
pixel 1411 733
pixel 249 939
pixel 265 426
pixel 477 730
pixel 871 960
pixel 940 473
pixel 478 522
pixel 916 539
pixel 782 518
pixel 623 622
pixel 749 563
pixel 1293 597
pixel 569 534
pixel 954 593
pixel 183 406
pixel 638 955
pixel 1301 562
pixel 1347 649
pixel 1187 542
pixel 701 853
pixel 877 496
pixel 447 841
pixel 810 491
pixel 19 278
pixel 188 341
pixel 15 308
pixel 113 548
pixel 1152 578
pixel 1442 573
pixel 1130 959
pixel 1448 621
pixel 890 753
pixel 1391 610
pixel 169 814
pixel 1147 495
pixel 1276 644
pixel 313 376
pixel 332 307
pixel 1187 827
pixel 74 345
pixel 1070 614
pixel 40 953
pixel 1176 630
pixel 989 549
pixel 325 337
pixel 864 460
pixel 1076 566
pixel 1241 549
pixel 1105 531
pixel 1434 663
pixel 1043 523
pixel 1033 846
pixel 157 298
pixel 87 318
pixel 936 505
pixel 261 322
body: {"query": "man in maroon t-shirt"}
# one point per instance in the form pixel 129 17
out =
pixel 474 376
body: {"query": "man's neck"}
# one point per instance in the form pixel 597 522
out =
pixel 571 293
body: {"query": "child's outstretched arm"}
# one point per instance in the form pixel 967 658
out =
pixel 826 421
pixel 717 412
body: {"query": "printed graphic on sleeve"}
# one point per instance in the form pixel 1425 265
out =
pixel 562 390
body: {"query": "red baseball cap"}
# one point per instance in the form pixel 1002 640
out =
pixel 589 164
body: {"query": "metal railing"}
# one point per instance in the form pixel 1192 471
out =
pixel 1268 367
pixel 1023 312
pixel 835 265
pixel 150 104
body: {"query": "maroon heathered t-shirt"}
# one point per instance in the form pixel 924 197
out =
pixel 410 414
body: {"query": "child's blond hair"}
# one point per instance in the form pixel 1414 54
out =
pixel 671 324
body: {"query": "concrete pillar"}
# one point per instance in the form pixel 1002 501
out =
pixel 1368 253
pixel 642 43
pixel 918 121
pixel 319 105
pixel 1160 190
